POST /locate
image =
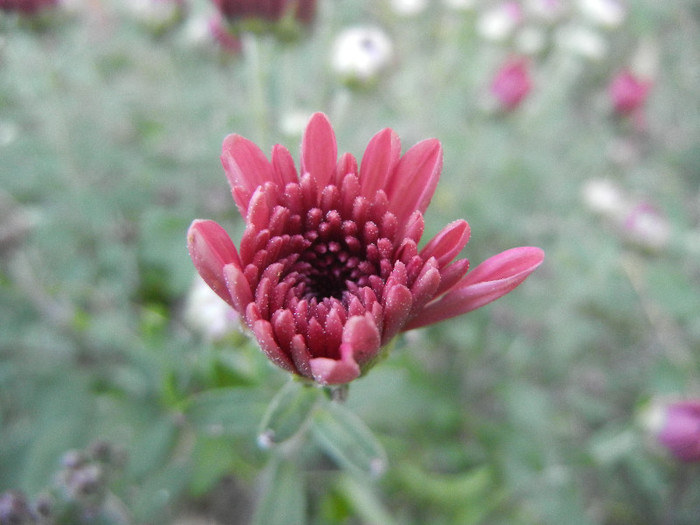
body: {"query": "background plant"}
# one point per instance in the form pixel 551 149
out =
pixel 523 412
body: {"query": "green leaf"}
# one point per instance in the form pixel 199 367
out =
pixel 348 440
pixel 232 411
pixel 472 488
pixel 283 501
pixel 364 501
pixel 287 413
pixel 152 447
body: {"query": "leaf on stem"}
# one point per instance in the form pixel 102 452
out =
pixel 283 501
pixel 346 438
pixel 287 413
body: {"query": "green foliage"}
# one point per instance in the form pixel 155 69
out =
pixel 523 412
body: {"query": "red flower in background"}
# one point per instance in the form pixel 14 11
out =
pixel 27 7
pixel 270 10
pixel 680 430
pixel 512 83
pixel 328 269
pixel 628 93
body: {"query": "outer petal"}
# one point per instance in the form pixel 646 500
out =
pixel 492 279
pixel 448 243
pixel 246 168
pixel 327 371
pixel 211 249
pixel 360 344
pixel 361 333
pixel 238 288
pixel 266 339
pixel 380 158
pixel 413 182
pixel 283 164
pixel 319 151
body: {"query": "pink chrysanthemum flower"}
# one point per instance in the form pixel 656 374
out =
pixel 269 10
pixel 27 7
pixel 328 270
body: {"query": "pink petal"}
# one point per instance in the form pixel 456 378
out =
pixel 397 308
pixel 319 151
pixel 492 279
pixel 380 158
pixel 334 372
pixel 211 249
pixel 246 168
pixel 238 288
pixel 347 165
pixel 264 334
pixel 361 333
pixel 448 243
pixel 301 355
pixel 283 165
pixel 415 177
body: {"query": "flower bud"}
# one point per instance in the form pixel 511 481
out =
pixel 628 92
pixel 676 427
pixel 511 84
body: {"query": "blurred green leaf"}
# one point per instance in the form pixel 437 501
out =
pixel 226 411
pixel 472 488
pixel 283 500
pixel 346 438
pixel 362 497
pixel 153 446
pixel 287 412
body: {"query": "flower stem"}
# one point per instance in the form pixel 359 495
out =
pixel 256 77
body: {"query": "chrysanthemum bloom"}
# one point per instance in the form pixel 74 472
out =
pixel 511 84
pixel 328 270
pixel 267 10
pixel 27 7
pixel 677 427
pixel 628 92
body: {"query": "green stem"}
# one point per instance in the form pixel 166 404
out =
pixel 257 91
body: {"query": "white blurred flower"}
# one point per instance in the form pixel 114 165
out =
pixel 408 7
pixel 208 313
pixel 361 53
pixel 157 15
pixel 546 10
pixel 530 40
pixel 197 33
pixel 582 41
pixel 293 123
pixel 645 61
pixel 607 13
pixel 499 22
pixel 605 197
pixel 460 5
pixel 8 132
pixel 645 226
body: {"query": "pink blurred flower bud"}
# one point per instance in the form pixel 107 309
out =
pixel 512 83
pixel 628 92
pixel 676 426
pixel 303 11
pixel 27 7
pixel 222 35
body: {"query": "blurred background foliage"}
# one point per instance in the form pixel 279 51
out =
pixel 527 411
